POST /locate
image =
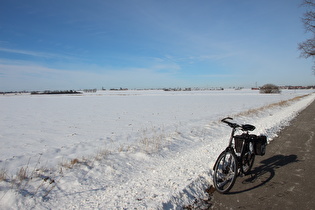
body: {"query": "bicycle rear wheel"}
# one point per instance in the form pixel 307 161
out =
pixel 247 162
pixel 225 172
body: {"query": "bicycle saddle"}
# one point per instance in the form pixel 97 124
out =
pixel 248 127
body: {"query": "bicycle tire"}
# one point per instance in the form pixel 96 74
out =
pixel 247 161
pixel 225 172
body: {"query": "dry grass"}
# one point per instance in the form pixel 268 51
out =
pixel 74 161
pixel 102 154
pixel 153 140
pixel 22 174
pixel 30 181
pixel 3 175
pixel 88 162
pixel 70 164
pixel 269 106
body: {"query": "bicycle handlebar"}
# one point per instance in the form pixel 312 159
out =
pixel 232 125
pixel 227 118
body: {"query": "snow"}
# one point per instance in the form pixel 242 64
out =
pixel 125 149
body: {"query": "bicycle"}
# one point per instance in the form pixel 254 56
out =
pixel 239 156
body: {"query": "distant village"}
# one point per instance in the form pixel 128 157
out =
pixel 290 87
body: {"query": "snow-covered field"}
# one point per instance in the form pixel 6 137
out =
pixel 124 149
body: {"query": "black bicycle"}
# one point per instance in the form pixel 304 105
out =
pixel 239 156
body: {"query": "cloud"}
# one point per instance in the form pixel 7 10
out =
pixel 34 53
pixel 219 75
pixel 27 76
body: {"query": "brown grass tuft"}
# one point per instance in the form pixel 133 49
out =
pixel 3 175
pixel 74 161
pixel 22 174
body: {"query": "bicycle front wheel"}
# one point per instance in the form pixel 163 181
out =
pixel 225 172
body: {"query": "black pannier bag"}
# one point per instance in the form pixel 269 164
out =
pixel 259 143
pixel 238 142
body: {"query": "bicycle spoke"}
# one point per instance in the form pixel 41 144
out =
pixel 225 172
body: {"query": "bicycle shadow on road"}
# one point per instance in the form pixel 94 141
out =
pixel 264 172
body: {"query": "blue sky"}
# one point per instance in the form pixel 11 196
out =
pixel 77 44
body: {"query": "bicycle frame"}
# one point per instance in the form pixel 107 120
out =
pixel 232 137
pixel 230 148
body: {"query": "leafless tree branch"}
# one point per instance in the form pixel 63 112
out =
pixel 307 47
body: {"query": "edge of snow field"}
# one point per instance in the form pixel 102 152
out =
pixel 167 176
pixel 270 122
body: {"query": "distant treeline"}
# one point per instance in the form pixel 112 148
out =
pixel 14 92
pixel 118 89
pixel 190 89
pixel 55 92
pixel 90 90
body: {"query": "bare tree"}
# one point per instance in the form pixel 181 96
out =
pixel 308 46
pixel 270 88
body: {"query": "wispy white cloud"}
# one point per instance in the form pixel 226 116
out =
pixel 219 76
pixel 28 76
pixel 215 57
pixel 35 53
pixel 212 57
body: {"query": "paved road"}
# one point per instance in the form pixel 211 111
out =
pixel 285 177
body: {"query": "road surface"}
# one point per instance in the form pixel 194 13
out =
pixel 282 179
